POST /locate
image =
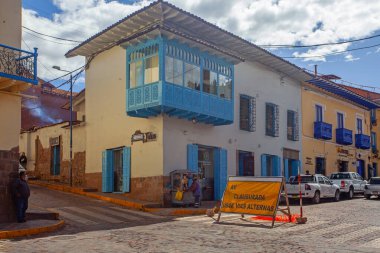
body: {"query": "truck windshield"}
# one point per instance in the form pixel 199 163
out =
pixel 374 181
pixel 340 176
pixel 304 179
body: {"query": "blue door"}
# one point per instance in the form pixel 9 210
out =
pixel 360 168
pixel 374 169
pixel 220 172
pixel 192 157
pixel 107 171
pixel 126 169
pixel 55 161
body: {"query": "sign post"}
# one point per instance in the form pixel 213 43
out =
pixel 254 196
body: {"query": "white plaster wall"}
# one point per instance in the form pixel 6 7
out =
pixel 251 79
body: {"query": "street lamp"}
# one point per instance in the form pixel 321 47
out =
pixel 71 122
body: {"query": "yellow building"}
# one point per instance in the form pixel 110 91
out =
pixel 18 70
pixel 336 129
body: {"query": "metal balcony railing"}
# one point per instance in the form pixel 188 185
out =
pixel 18 64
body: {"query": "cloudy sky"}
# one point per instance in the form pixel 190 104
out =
pixel 263 22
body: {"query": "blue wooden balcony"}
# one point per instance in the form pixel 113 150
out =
pixel 178 101
pixel 362 141
pixel 17 64
pixel 343 136
pixel 322 130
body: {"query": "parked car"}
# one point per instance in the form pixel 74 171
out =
pixel 372 188
pixel 350 183
pixel 313 187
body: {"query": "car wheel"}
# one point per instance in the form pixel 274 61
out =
pixel 350 193
pixel 317 197
pixel 367 196
pixel 337 196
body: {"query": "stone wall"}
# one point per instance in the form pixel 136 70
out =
pixel 43 165
pixel 8 174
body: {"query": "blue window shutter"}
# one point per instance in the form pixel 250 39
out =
pixel 126 169
pixel 241 164
pixel 286 168
pixel 220 172
pixel 263 165
pixel 104 171
pixel 276 166
pixel 295 165
pixel 192 157
pixel 107 171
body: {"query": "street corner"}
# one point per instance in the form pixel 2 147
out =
pixel 33 227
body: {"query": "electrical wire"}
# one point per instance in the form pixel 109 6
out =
pixel 54 37
pixel 335 53
pixel 56 42
pixel 322 44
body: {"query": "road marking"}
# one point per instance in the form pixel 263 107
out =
pixel 93 214
pixel 73 217
pixel 121 214
pixel 330 228
pixel 139 213
pixel 372 244
pixel 357 233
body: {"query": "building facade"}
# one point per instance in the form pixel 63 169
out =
pixel 165 100
pixel 336 130
pixel 18 70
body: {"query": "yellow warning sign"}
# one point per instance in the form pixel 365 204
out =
pixel 251 197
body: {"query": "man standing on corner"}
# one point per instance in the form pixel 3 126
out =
pixel 23 160
pixel 21 193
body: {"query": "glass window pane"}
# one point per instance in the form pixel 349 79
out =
pixel 192 76
pixel 151 69
pixel 139 73
pixel 173 70
pixel 132 75
pixel 225 86
pixel 209 82
pixel 244 113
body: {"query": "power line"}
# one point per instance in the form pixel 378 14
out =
pixel 321 44
pixel 57 38
pixel 34 35
pixel 335 53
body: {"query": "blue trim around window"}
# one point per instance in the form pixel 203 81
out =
pixel 179 101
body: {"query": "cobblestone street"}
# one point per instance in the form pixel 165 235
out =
pixel 346 226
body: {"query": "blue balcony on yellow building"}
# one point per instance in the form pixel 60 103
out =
pixel 167 77
pixel 362 141
pixel 322 130
pixel 17 66
pixel 343 136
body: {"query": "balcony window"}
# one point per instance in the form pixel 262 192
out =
pixel 272 120
pixel 318 113
pixel 359 126
pixel 373 141
pixel 135 74
pixel 210 79
pixel 340 121
pixel 151 70
pixel 173 70
pixel 225 87
pixel 192 76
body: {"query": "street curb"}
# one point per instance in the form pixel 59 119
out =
pixel 8 234
pixel 120 202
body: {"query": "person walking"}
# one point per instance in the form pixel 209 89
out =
pixel 196 189
pixel 23 160
pixel 21 192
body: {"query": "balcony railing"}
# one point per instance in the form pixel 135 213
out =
pixel 343 136
pixel 362 141
pixel 322 130
pixel 178 101
pixel 18 64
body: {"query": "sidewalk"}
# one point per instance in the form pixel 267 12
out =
pixel 124 201
pixel 38 221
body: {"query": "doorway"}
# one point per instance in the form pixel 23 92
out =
pixel 342 166
pixel 206 171
pixel 246 163
pixel 374 172
pixel 117 170
pixel 55 159
pixel 360 168
pixel 320 165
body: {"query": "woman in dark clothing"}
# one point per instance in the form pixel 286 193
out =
pixel 23 160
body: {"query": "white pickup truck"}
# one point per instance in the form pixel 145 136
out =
pixel 349 182
pixel 313 187
pixel 372 188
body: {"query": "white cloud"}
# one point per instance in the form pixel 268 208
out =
pixel 350 57
pixel 378 50
pixel 261 21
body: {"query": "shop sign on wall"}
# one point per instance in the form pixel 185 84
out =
pixel 309 161
pixel 144 137
pixel 54 141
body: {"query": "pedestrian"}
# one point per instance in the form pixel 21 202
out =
pixel 307 172
pixel 196 189
pixel 21 192
pixel 23 160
